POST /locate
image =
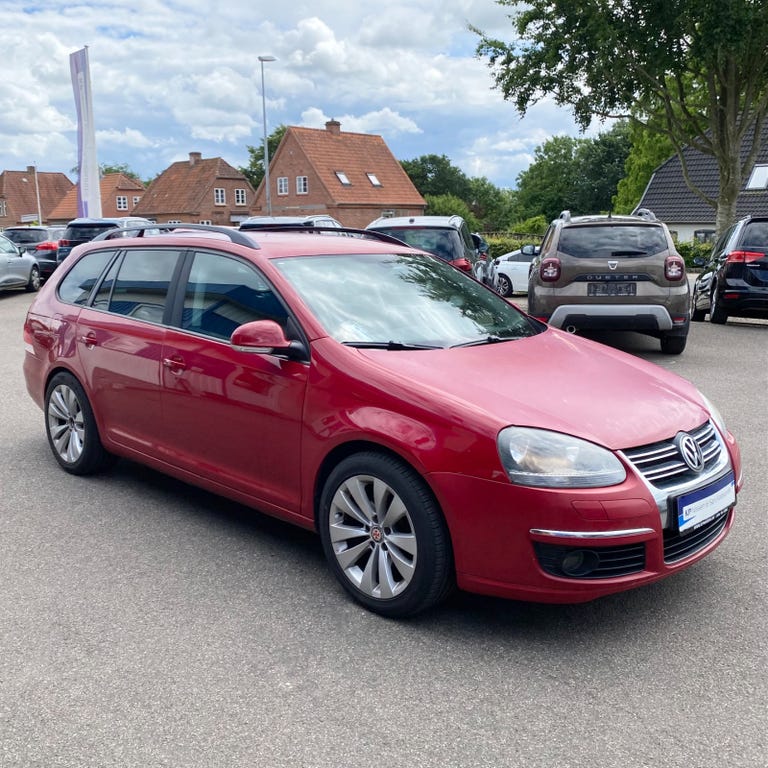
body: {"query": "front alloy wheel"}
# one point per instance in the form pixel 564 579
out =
pixel 384 535
pixel 505 285
pixel 33 284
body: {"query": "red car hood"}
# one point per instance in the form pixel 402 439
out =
pixel 551 381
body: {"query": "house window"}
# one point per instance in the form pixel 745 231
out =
pixel 239 197
pixel 136 200
pixel 174 221
pixel 302 185
pixel 373 179
pixel 122 203
pixel 219 196
pixel 206 221
pixel 343 178
pixel 3 208
pixel 282 185
pixel 387 214
pixel 758 179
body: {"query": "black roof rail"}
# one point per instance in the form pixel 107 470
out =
pixel 311 228
pixel 233 234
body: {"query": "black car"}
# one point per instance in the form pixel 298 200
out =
pixel 84 230
pixel 40 242
pixel 734 281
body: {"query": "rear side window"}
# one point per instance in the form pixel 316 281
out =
pixel 443 243
pixel 223 293
pixel 79 282
pixel 616 241
pixel 85 233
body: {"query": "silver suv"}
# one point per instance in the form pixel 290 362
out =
pixel 447 237
pixel 609 273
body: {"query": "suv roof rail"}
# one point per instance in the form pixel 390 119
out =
pixel 142 229
pixel 370 234
pixel 565 215
pixel 644 213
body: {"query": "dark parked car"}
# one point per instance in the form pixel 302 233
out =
pixel 734 281
pixel 288 222
pixel 40 242
pixel 84 230
pixel 432 433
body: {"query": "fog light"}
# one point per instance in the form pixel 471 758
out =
pixel 579 562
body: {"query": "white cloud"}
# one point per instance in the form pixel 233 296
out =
pixel 170 78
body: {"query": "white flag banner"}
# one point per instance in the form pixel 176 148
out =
pixel 88 190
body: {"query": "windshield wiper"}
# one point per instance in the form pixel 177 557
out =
pixel 391 346
pixel 491 339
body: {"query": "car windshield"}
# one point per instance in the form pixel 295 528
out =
pixel 443 242
pixel 612 241
pixel 401 301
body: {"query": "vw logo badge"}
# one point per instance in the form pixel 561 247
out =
pixel 690 451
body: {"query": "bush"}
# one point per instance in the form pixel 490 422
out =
pixel 691 250
pixel 501 244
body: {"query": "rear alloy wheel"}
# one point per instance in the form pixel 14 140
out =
pixel 505 285
pixel 697 315
pixel 71 427
pixel 384 535
pixel 33 284
pixel 717 314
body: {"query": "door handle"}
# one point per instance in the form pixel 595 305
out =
pixel 175 366
pixel 89 340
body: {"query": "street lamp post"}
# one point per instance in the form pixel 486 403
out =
pixel 262 59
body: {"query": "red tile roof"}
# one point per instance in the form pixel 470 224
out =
pixel 17 188
pixel 110 186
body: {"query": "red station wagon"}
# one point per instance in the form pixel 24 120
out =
pixel 432 433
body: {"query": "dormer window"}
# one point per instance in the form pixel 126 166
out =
pixel 374 179
pixel 758 179
pixel 343 178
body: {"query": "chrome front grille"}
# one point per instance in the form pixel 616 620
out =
pixel 662 465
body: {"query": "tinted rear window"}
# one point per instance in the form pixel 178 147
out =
pixel 443 243
pixel 84 232
pixel 756 236
pixel 25 236
pixel 615 241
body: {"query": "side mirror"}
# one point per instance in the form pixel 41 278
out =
pixel 266 337
pixel 699 261
pixel 528 250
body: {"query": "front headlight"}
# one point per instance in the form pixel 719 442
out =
pixel 554 460
pixel 715 415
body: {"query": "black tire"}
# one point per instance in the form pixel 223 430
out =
pixel 71 427
pixel 673 345
pixel 384 535
pixel 504 285
pixel 717 314
pixel 33 284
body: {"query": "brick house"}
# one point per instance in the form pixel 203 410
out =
pixel 198 191
pixel 351 176
pixel 120 194
pixel 19 194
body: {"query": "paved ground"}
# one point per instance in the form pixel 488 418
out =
pixel 144 623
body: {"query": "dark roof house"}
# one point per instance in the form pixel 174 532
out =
pixel 120 194
pixel 685 213
pixel 19 195
pixel 352 177
pixel 198 191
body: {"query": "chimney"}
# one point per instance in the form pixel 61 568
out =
pixel 195 157
pixel 333 127
pixel 31 170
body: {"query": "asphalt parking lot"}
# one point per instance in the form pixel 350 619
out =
pixel 146 623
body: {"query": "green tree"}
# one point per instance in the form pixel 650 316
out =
pixel 647 152
pixel 450 205
pixel 640 59
pixel 254 171
pixel 436 175
pixel 495 208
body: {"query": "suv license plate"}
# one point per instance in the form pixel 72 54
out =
pixel 611 289
pixel 702 505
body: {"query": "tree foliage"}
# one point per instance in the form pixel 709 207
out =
pixel 436 175
pixel 254 171
pixel 450 205
pixel 575 174
pixel 699 66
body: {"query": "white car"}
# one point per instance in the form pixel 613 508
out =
pixel 509 273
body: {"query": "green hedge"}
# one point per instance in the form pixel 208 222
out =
pixel 690 250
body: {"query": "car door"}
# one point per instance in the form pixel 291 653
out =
pixel 120 337
pixel 14 270
pixel 232 416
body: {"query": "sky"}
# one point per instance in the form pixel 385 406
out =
pixel 170 77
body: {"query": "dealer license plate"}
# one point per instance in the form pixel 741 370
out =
pixel 698 507
pixel 611 289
